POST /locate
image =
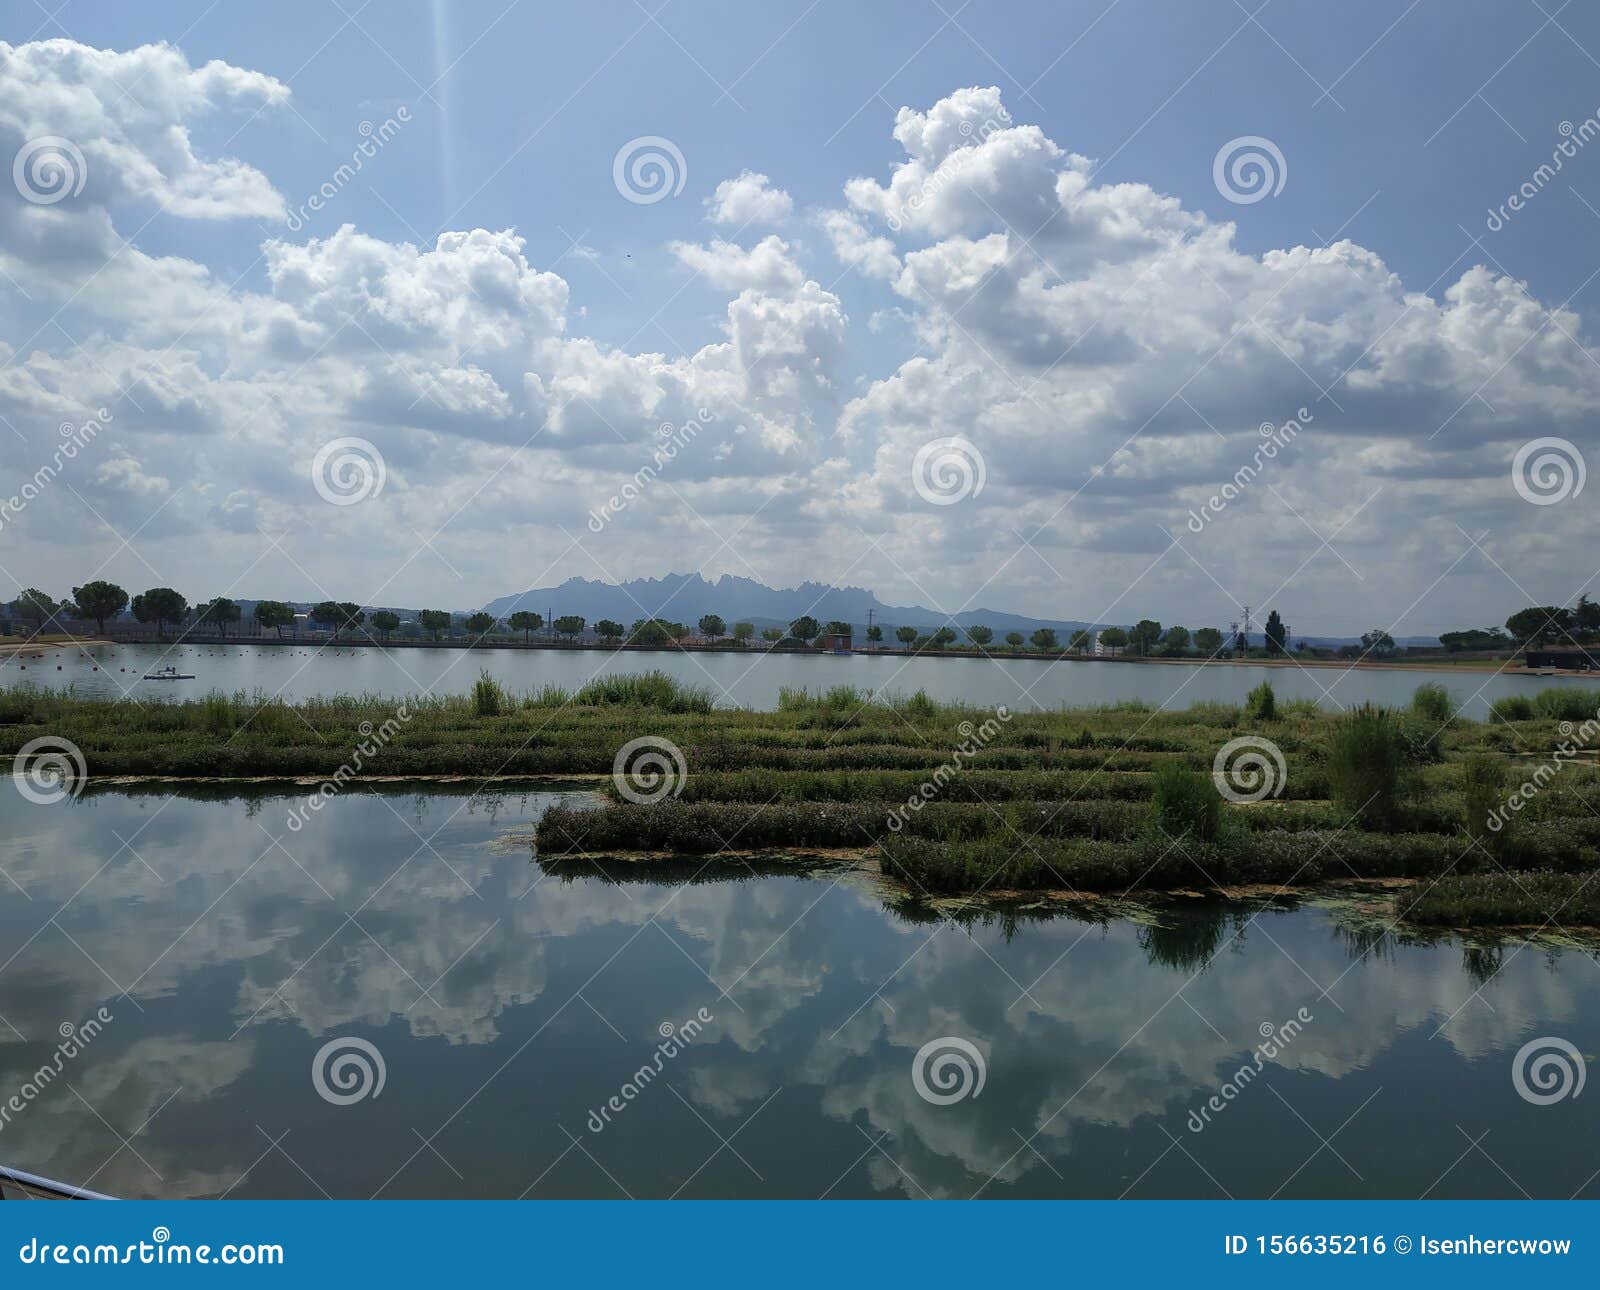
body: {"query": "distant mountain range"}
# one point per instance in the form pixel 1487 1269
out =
pixel 686 597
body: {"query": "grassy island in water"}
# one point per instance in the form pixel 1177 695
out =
pixel 1496 821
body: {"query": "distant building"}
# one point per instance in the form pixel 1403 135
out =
pixel 1098 647
pixel 1564 656
pixel 836 642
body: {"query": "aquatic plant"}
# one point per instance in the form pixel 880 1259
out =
pixel 1368 764
pixel 216 715
pixel 1433 703
pixel 1261 704
pixel 644 690
pixel 1512 707
pixel 1185 803
pixel 1566 704
pixel 1503 899
pixel 489 698
pixel 1482 801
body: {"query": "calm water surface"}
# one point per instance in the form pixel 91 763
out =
pixel 508 1005
pixel 748 680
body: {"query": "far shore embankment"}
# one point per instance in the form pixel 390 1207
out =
pixel 1415 663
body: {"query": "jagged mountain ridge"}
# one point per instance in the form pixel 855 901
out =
pixel 686 597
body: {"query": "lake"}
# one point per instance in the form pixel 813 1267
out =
pixel 237 988
pixel 747 680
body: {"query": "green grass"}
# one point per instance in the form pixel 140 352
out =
pixel 1261 704
pixel 1567 704
pixel 1220 714
pixel 1528 899
pixel 647 690
pixel 1185 804
pixel 1092 798
pixel 217 716
pixel 1154 863
pixel 1369 765
pixel 1483 802
pixel 840 698
pixel 1432 702
pixel 489 697
pixel 1513 707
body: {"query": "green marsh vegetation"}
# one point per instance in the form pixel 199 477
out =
pixel 1433 702
pixel 489 697
pixel 1261 704
pixel 1185 803
pixel 1529 898
pixel 1370 767
pixel 1099 799
pixel 1118 798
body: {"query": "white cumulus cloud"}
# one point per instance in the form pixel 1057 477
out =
pixel 749 199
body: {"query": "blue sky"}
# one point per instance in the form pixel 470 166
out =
pixel 521 130
pixel 564 85
pixel 1400 126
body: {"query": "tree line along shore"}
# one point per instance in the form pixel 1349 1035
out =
pixel 160 609
pixel 1496 821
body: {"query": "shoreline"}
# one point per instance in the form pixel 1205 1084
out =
pixel 73 642
pixel 1500 667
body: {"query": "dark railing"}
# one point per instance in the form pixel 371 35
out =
pixel 32 1187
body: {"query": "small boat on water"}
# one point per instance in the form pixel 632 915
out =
pixel 168 673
